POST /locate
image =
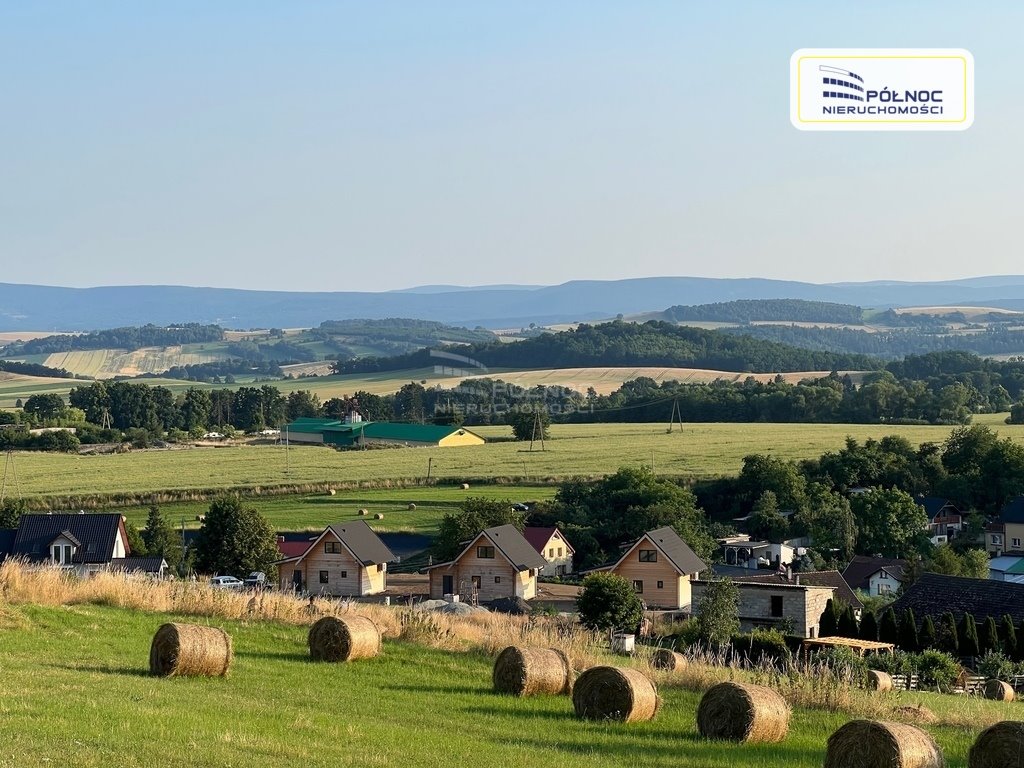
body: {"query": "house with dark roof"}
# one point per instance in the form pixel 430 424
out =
pixel 354 432
pixel 660 566
pixel 553 547
pixel 499 562
pixel 944 519
pixel 1005 536
pixel 875 575
pixel 346 560
pixel 83 543
pixel 934 594
pixel 830 579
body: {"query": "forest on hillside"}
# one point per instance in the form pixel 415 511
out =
pixel 767 310
pixel 626 344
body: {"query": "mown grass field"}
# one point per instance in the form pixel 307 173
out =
pixel 312 512
pixel 75 691
pixel 699 450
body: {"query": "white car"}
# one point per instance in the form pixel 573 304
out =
pixel 226 582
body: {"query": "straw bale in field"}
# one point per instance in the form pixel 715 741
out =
pixel 529 671
pixel 613 693
pixel 879 681
pixel 877 744
pixel 347 639
pixel 668 660
pixel 743 713
pixel 997 690
pixel 999 746
pixel 191 650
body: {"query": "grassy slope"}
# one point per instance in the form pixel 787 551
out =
pixel 74 690
pixel 700 450
pixel 313 512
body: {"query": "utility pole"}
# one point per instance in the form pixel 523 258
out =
pixel 10 467
pixel 676 414
pixel 430 462
pixel 538 428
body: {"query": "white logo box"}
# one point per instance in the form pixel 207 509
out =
pixel 881 89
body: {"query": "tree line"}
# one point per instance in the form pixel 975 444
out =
pixel 623 344
pixel 128 337
pixel 767 310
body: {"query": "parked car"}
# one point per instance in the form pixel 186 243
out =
pixel 256 580
pixel 226 582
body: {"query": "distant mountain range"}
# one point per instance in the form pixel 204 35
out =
pixel 46 308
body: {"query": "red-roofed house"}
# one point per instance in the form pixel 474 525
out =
pixel 553 547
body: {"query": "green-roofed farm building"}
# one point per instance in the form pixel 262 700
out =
pixel 354 433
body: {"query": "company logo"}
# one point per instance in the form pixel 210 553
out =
pixel 882 90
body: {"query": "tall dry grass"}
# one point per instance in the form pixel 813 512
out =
pixel 484 632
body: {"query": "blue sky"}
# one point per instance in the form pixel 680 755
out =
pixel 372 146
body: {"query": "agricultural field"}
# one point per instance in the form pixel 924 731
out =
pixel 108 363
pixel 696 451
pixel 313 512
pixel 413 706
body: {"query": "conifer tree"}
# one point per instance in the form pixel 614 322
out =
pixel 889 628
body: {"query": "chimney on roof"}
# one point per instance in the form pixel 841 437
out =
pixel 789 573
pixel 798 579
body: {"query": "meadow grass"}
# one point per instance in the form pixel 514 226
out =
pixel 590 450
pixel 312 512
pixel 75 689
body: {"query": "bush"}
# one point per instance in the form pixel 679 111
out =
pixel 844 662
pixel 994 665
pixel 937 670
pixel 895 663
pixel 608 601
pixel 763 646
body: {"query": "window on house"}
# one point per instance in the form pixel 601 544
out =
pixel 648 555
pixel 638 587
pixel 997 538
pixel 344 574
pixel 551 552
pixel 1015 542
pixel 777 606
pixel 497 579
pixel 661 585
pixel 485 553
pixel 68 551
pixel 324 578
pixel 559 551
pixel 884 589
pixel 380 567
pixel 332 547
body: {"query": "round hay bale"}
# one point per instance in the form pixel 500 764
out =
pixel 379 516
pixel 877 744
pixel 465 486
pixel 334 639
pixel 189 649
pixel 528 671
pixel 613 693
pixel 998 746
pixel 743 713
pixel 879 681
pixel 364 512
pixel 668 660
pixel 412 507
pixel 331 492
pixel 997 690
